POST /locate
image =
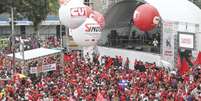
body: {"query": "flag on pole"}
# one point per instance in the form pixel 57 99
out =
pixel 108 64
pixel 184 67
pixel 198 60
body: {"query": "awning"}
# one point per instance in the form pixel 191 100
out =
pixel 34 53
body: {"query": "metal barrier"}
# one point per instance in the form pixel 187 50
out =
pixel 134 44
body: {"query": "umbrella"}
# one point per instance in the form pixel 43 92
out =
pixel 21 75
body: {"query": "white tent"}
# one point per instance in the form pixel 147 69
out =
pixel 34 53
pixel 177 10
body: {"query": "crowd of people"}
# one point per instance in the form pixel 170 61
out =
pixel 30 42
pixel 104 79
pixel 51 42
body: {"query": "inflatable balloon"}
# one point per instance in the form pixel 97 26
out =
pixel 146 17
pixel 61 2
pixel 98 17
pixel 87 34
pixel 65 2
pixel 89 11
pixel 73 14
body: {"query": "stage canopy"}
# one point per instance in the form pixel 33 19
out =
pixel 34 53
pixel 185 11
pixel 177 10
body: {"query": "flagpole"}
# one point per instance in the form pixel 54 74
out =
pixel 61 46
pixel 13 38
pixel 22 53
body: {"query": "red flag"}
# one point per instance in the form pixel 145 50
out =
pixel 73 81
pixel 198 60
pixel 184 67
pixel 100 97
pixel 68 57
pixel 178 65
pixel 108 64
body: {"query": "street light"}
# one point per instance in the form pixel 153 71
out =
pixel 12 35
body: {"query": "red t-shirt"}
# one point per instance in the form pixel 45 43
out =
pixel 123 98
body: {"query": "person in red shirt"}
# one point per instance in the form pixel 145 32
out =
pixel 123 97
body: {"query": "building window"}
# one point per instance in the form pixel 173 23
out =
pixel 87 2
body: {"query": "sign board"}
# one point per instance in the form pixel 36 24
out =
pixel 186 40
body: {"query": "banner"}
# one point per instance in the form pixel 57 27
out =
pixel 44 68
pixel 50 67
pixel 33 70
pixel 168 47
pixel 186 40
pixel 123 83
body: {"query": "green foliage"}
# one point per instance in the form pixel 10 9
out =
pixel 4 5
pixel 35 10
pixel 53 7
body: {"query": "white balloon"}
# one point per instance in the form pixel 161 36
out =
pixel 65 2
pixel 73 14
pixel 98 17
pixel 88 33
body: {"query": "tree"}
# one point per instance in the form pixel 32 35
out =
pixel 53 7
pixel 35 10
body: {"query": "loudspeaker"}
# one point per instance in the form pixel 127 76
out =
pixel 23 31
pixel 63 31
pixel 86 2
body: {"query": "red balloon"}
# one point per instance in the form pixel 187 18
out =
pixel 146 17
